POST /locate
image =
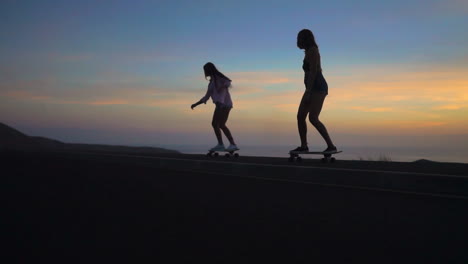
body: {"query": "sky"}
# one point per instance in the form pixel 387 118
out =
pixel 126 72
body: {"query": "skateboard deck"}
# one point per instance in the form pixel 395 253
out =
pixel 327 156
pixel 228 154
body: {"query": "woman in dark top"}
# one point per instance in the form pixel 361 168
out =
pixel 316 89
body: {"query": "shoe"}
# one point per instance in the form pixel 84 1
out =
pixel 300 149
pixel 232 148
pixel 219 147
pixel 328 150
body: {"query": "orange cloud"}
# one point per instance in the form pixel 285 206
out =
pixel 109 102
pixel 411 125
pixel 389 99
pixel 374 109
pixel 260 78
pixel 430 124
pixel 449 107
pixel 25 95
pixel 290 108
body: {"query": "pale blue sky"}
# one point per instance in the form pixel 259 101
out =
pixel 247 34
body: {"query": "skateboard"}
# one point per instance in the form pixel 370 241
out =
pixel 327 156
pixel 227 155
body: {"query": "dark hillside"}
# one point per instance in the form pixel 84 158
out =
pixel 12 139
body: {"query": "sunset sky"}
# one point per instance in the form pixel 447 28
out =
pixel 126 72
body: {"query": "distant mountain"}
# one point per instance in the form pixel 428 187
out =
pixel 117 149
pixel 47 142
pixel 10 135
pixel 424 161
pixel 12 139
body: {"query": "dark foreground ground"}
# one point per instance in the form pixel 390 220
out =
pixel 70 210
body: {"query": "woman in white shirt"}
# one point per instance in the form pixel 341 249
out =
pixel 218 90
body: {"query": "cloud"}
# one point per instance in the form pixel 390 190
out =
pixel 25 95
pixel 394 93
pixel 133 56
pixel 260 78
pixel 71 57
pixel 449 107
pixel 151 56
pixel 366 98
pixel 450 7
pixel 110 89
pixel 109 102
pixel 254 82
pixel 373 109
pixel 422 124
pixel 290 108
pixel 122 89
pixel 393 85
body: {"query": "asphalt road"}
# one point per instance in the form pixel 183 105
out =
pixel 88 210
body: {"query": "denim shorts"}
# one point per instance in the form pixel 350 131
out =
pixel 222 106
pixel 320 83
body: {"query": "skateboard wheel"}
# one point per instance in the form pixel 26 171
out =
pixel 216 154
pixel 324 160
pixel 236 155
pixel 227 155
pixel 291 159
pixel 299 159
pixel 208 154
pixel 332 160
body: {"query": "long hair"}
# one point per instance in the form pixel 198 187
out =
pixel 210 70
pixel 306 39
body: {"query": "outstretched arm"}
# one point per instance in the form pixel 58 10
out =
pixel 205 98
pixel 196 104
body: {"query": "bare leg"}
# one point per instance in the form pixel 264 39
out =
pixel 301 120
pixel 217 116
pixel 224 128
pixel 315 107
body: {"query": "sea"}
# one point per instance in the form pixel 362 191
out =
pixel 372 153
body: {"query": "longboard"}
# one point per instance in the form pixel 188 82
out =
pixel 327 156
pixel 228 154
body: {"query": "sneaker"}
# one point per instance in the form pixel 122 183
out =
pixel 300 149
pixel 328 150
pixel 232 148
pixel 219 147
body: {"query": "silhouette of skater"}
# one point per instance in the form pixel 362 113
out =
pixel 218 90
pixel 315 92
